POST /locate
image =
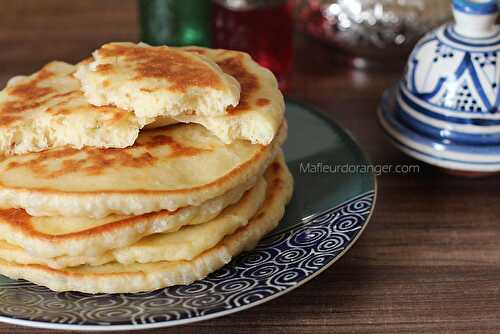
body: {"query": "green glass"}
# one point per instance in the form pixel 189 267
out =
pixel 175 22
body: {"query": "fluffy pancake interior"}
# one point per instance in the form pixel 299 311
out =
pixel 47 109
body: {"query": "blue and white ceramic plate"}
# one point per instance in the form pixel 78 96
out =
pixel 331 207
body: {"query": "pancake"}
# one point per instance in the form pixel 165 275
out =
pixel 191 241
pixel 261 108
pixel 156 81
pixel 167 168
pixel 79 237
pixel 182 244
pixel 47 109
pixel 120 278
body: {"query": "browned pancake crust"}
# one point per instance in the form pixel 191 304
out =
pixel 180 70
pixel 232 63
pixel 20 220
pixel 34 93
pixel 137 155
pixel 274 186
pixel 98 160
pixel 26 96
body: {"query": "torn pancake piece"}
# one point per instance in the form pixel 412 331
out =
pixel 155 81
pixel 47 109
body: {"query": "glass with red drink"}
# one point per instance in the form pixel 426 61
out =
pixel 261 28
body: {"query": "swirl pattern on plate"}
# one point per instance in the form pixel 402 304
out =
pixel 280 262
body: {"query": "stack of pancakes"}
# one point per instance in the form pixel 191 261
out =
pixel 139 168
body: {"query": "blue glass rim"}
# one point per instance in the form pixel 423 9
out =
pixel 475 7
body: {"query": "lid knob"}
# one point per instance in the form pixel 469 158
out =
pixel 475 18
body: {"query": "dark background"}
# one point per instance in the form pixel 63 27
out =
pixel 428 262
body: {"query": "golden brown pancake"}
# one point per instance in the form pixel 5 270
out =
pixel 156 81
pixel 149 238
pixel 47 109
pixel 165 169
pixel 260 111
pixel 56 237
pixel 120 278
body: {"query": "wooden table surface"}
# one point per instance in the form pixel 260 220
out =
pixel 428 262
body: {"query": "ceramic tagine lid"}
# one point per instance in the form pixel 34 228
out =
pixel 445 110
